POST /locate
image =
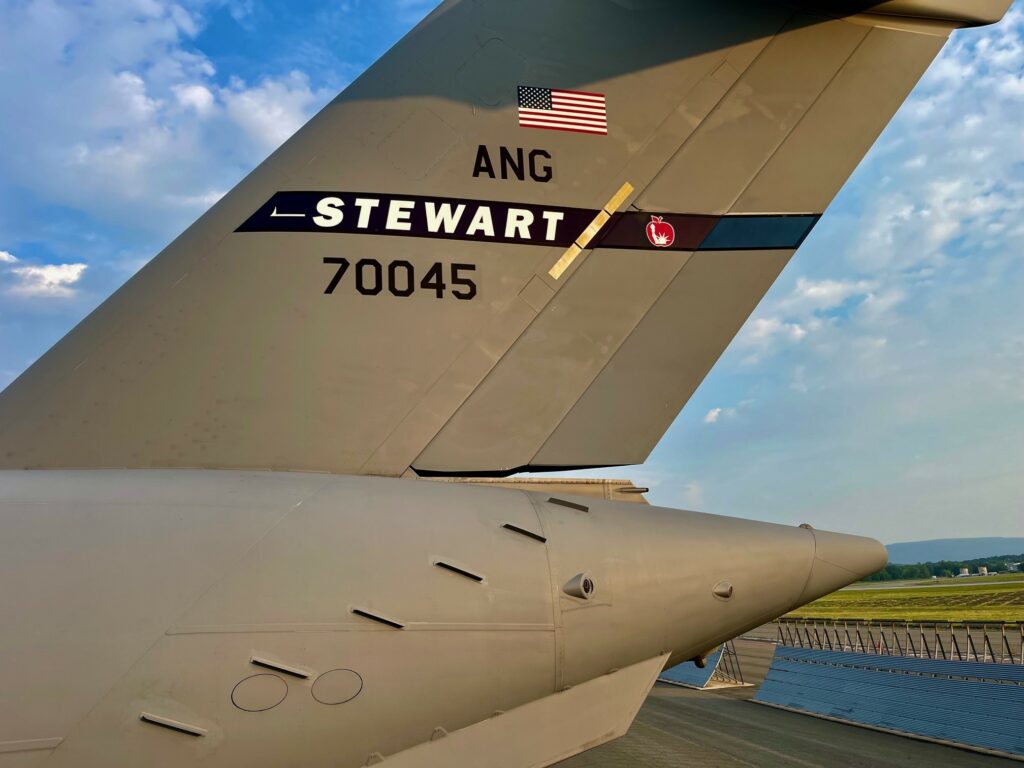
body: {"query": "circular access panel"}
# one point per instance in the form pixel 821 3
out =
pixel 259 693
pixel 337 686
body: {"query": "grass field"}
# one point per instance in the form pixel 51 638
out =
pixel 964 600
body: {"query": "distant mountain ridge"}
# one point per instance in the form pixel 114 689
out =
pixel 912 552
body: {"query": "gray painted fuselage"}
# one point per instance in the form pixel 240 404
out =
pixel 131 592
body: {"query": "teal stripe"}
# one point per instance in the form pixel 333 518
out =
pixel 743 233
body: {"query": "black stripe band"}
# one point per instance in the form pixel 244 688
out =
pixel 372 213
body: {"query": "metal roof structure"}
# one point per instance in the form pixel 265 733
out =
pixel 689 674
pixel 974 705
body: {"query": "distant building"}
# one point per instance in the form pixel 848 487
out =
pixel 982 571
pixel 964 572
pixel 1013 567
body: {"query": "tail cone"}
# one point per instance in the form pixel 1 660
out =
pixel 839 560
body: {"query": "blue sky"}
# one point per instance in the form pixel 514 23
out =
pixel 879 388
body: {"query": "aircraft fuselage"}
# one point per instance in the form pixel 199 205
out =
pixel 304 619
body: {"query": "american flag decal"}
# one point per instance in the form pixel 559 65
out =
pixel 556 110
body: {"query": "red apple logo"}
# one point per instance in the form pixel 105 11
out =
pixel 660 232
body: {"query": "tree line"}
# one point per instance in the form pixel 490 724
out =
pixel 943 568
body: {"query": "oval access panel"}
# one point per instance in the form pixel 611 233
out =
pixel 337 686
pixel 259 693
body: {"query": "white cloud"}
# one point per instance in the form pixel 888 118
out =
pixel 938 205
pixel 39 280
pixel 765 329
pixel 1012 85
pixel 196 97
pixel 273 110
pixel 716 414
pixel 877 306
pixel 129 102
pixel 970 188
pixel 813 295
pixel 118 114
pixel 908 297
pixel 48 280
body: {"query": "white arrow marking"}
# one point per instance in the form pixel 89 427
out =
pixel 275 215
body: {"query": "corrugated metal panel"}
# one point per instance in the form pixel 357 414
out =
pixel 923 697
pixel 690 674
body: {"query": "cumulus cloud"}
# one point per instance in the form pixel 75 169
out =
pixel 273 110
pixel 879 306
pixel 815 295
pixel 716 414
pixel 196 97
pixel 764 328
pixel 118 114
pixel 939 206
pixel 47 280
pixel 909 351
pixel 964 187
pixel 119 129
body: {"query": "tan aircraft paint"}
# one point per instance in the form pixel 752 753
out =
pixel 224 352
pixel 169 617
pixel 150 591
pixel 827 76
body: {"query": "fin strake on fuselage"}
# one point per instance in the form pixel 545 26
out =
pixel 362 213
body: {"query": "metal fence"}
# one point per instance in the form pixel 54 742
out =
pixel 722 670
pixel 1001 643
pixel 728 670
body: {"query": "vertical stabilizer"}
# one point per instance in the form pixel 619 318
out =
pixel 382 293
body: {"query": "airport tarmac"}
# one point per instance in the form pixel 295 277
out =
pixel 684 728
pixel 965 582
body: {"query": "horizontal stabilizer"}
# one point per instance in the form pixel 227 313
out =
pixel 965 12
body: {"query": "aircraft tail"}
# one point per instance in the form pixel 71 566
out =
pixel 519 241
